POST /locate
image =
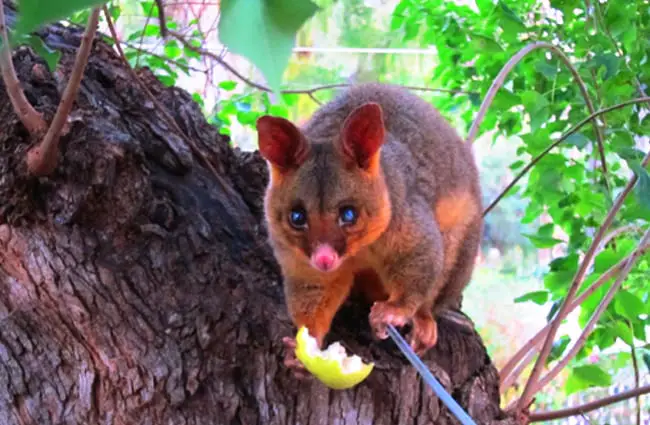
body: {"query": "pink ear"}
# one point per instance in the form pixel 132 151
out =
pixel 280 142
pixel 363 134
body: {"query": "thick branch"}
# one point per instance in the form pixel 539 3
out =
pixel 588 407
pixel 30 117
pixel 508 373
pixel 531 384
pixel 535 160
pixel 42 158
pixel 261 87
pixel 500 79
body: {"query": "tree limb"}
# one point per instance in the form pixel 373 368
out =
pixel 307 91
pixel 30 117
pixel 508 373
pixel 501 77
pixel 42 158
pixel 574 129
pixel 588 407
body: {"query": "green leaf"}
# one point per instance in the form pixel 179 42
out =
pixel 546 69
pixel 609 61
pixel 578 140
pixel 35 13
pixel 558 348
pixel 623 331
pixel 516 164
pixel 264 32
pixel 629 305
pixel 538 297
pixel 50 56
pixel 642 187
pixel 592 375
pixel 228 85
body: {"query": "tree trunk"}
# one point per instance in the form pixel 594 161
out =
pixel 136 287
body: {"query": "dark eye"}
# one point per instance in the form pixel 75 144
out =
pixel 347 216
pixel 298 218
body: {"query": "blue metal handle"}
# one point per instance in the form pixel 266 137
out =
pixel 443 395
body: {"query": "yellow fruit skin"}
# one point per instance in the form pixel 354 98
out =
pixel 329 372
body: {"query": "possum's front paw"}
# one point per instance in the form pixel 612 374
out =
pixel 384 313
pixel 291 361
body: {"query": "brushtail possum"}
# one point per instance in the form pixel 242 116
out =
pixel 375 192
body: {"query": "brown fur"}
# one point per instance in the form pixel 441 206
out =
pixel 415 185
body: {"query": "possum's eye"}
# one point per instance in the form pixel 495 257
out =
pixel 347 216
pixel 298 218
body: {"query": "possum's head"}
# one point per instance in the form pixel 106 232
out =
pixel 326 200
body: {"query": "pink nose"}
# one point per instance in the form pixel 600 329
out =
pixel 324 258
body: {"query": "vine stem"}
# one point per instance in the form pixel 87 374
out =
pixel 588 407
pixel 522 357
pixel 574 129
pixel 532 384
pixel 501 77
pixel 30 117
pixel 42 158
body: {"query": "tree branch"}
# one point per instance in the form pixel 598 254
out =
pixel 161 18
pixel 30 117
pixel 588 407
pixel 264 88
pixel 508 373
pixel 535 160
pixel 42 158
pixel 501 77
pixel 532 385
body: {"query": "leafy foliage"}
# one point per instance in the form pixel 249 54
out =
pixel 538 102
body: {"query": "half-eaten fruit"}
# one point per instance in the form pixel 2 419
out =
pixel 332 366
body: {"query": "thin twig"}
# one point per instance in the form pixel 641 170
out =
pixel 264 88
pixel 574 129
pixel 30 117
pixel 42 158
pixel 588 407
pixel 146 22
pixel 637 377
pixel 532 385
pixel 500 79
pixel 312 97
pixel 161 18
pixel 508 373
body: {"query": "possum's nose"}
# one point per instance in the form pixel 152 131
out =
pixel 324 258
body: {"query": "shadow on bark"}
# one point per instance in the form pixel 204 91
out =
pixel 137 288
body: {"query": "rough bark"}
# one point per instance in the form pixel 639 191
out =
pixel 137 288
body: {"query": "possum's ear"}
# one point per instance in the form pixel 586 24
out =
pixel 363 135
pixel 281 143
